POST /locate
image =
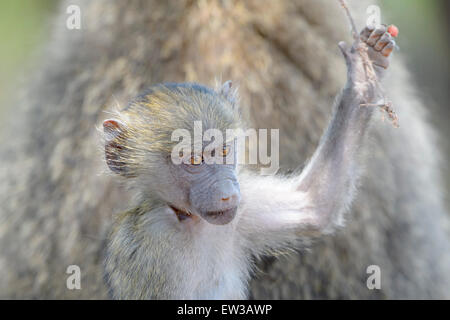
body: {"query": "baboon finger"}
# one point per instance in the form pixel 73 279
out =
pixel 376 34
pixel 388 48
pixel 384 40
pixel 365 33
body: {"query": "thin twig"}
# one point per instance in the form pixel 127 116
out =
pixel 387 107
pixel 352 22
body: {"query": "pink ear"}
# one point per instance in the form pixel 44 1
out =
pixel 112 128
pixel 114 146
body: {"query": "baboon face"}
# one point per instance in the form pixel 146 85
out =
pixel 154 144
pixel 211 189
pixel 203 184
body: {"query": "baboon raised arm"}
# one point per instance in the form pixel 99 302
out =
pixel 314 201
pixel 57 207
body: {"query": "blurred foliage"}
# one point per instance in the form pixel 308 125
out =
pixel 425 42
pixel 22 27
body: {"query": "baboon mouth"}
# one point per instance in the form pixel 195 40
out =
pixel 220 217
pixel 218 213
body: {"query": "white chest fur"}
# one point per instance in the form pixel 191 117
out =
pixel 219 267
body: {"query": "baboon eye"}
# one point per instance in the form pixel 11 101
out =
pixel 196 160
pixel 225 150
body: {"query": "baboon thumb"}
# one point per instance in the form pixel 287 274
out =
pixel 343 47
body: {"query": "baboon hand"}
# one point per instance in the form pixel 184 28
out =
pixel 378 43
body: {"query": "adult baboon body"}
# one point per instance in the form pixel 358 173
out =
pixel 57 207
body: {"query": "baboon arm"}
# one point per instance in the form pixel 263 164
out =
pixel 273 212
pixel 277 211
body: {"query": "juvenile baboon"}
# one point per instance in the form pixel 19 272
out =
pixel 190 236
pixel 57 207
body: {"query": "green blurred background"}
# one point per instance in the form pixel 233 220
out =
pixel 23 27
pixel 425 42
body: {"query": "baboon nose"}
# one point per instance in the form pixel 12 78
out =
pixel 228 194
pixel 230 197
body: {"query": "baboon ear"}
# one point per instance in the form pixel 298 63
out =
pixel 230 93
pixel 115 132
